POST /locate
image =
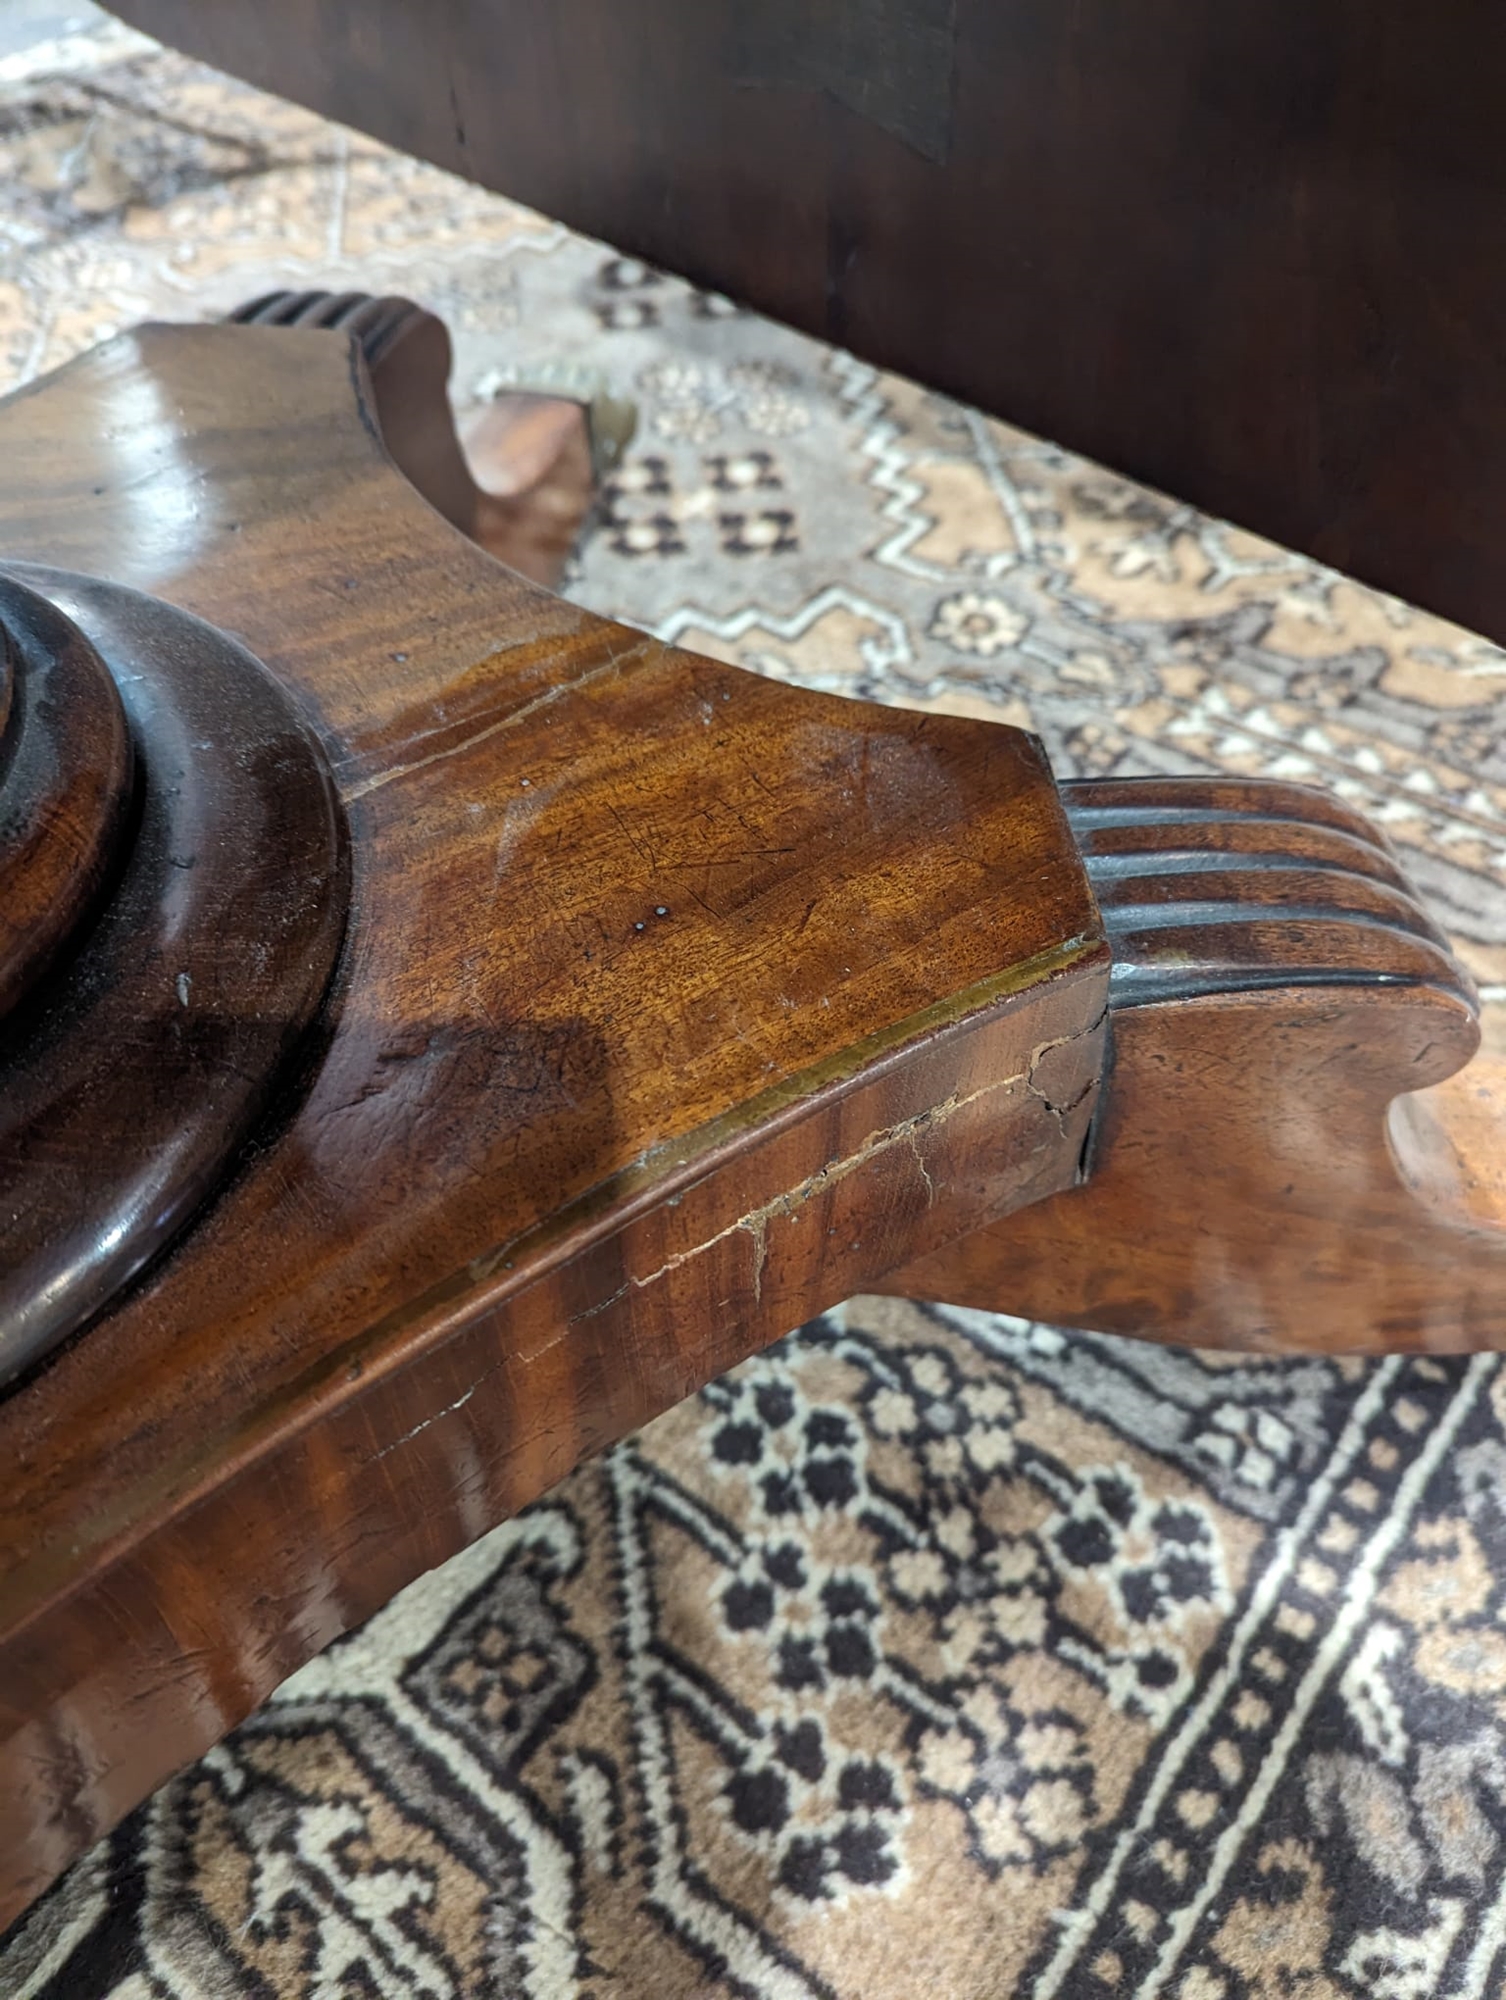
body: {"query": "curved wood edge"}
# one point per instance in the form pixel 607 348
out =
pixel 7 695
pixel 535 452
pixel 67 781
pixel 1293 1151
pixel 676 1005
pixel 137 1070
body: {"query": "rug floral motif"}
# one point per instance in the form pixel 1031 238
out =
pixel 931 1652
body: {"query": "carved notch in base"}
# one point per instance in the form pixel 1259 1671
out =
pixel 524 478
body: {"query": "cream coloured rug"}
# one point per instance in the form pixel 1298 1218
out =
pixel 930 1653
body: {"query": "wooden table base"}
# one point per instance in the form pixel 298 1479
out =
pixel 571 1016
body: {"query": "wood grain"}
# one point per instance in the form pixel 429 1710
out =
pixel 1295 1151
pixel 675 1005
pixel 1245 253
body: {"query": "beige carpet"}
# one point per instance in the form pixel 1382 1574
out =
pixel 930 1654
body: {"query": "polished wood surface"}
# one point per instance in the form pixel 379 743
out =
pixel 535 451
pixel 1295 1150
pixel 130 1077
pixel 66 778
pixel 674 1005
pixel 1245 252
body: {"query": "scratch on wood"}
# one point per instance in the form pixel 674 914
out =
pixel 756 1222
pixel 513 720
pixel 1061 1112
pixel 408 1436
pixel 925 1172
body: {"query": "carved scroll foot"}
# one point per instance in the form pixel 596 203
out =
pixel 1290 1152
pixel 523 480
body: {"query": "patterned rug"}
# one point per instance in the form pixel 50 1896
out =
pixel 930 1653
